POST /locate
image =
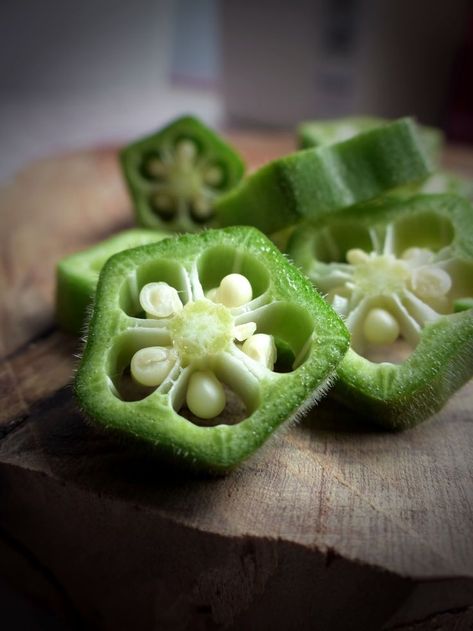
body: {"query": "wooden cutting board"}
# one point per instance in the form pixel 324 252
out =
pixel 332 525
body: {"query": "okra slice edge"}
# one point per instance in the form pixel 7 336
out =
pixel 175 175
pixel 284 306
pixel 77 275
pixel 399 395
pixel 318 182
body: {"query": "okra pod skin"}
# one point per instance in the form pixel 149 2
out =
pixel 202 339
pixel 417 254
pixel 314 183
pixel 77 275
pixel 175 175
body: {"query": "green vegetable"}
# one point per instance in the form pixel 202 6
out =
pixel 316 182
pixel 327 132
pixel 175 175
pixel 397 270
pixel 183 344
pixel 77 275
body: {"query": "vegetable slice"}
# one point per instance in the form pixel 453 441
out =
pixel 235 396
pixel 77 275
pixel 316 182
pixel 397 270
pixel 175 175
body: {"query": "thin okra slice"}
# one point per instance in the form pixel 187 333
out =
pixel 317 133
pixel 175 175
pixel 317 182
pixel 77 275
pixel 205 344
pixel 400 272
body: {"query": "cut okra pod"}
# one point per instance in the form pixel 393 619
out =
pixel 401 275
pixel 175 175
pixel 317 182
pixel 183 345
pixel 317 133
pixel 77 275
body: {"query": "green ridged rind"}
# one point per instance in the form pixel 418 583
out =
pixel 400 396
pixel 324 132
pixel 77 275
pixel 151 419
pixel 317 182
pixel 139 187
pixel 404 395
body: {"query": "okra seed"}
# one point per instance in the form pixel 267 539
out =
pixel 431 282
pixel 262 349
pixel 417 256
pixel 234 291
pixel 155 168
pixel 205 395
pixel 162 201
pixel 186 150
pixel 151 365
pixel 160 300
pixel 380 327
pixel 244 331
pixel 355 256
pixel 201 209
pixel 213 176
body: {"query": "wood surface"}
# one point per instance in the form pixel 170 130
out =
pixel 332 525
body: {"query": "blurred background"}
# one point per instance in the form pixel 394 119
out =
pixel 74 74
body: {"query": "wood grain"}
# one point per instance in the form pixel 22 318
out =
pixel 332 523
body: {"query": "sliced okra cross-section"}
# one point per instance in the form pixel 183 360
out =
pixel 77 275
pixel 316 182
pixel 401 275
pixel 175 175
pixel 204 344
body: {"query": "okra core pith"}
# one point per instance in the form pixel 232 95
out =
pixel 206 379
pixel 175 175
pixel 397 271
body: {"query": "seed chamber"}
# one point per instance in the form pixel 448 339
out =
pixel 389 281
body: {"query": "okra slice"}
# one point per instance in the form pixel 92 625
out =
pixel 183 345
pixel 316 133
pixel 77 275
pixel 316 182
pixel 398 272
pixel 175 175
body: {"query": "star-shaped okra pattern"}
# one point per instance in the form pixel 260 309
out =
pixel 385 295
pixel 219 323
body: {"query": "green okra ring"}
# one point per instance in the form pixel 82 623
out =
pixel 175 175
pixel 397 271
pixel 200 380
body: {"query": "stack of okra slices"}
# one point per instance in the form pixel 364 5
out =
pixel 205 337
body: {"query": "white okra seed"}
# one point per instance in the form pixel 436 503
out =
pixel 431 282
pixel 242 332
pixel 151 365
pixel 213 176
pixel 202 208
pixel 380 327
pixel 355 256
pixel 417 256
pixel 234 291
pixel 186 150
pixel 205 395
pixel 160 300
pixel 162 201
pixel 262 349
pixel 156 168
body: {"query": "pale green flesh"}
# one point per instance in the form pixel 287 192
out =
pixel 283 305
pixel 401 383
pixel 77 274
